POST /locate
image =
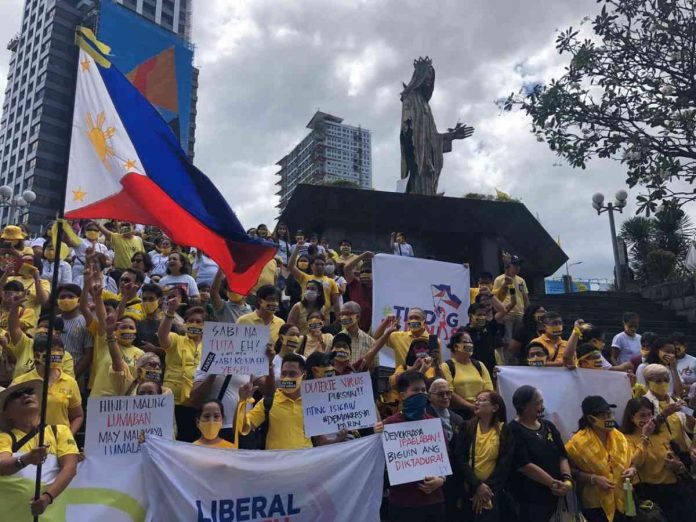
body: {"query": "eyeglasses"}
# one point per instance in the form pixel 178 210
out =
pixel 443 394
pixel 21 392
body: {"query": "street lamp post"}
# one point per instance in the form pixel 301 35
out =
pixel 18 204
pixel 618 205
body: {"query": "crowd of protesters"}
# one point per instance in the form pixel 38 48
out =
pixel 131 307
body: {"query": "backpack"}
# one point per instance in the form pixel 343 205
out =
pixel 452 369
pixel 256 439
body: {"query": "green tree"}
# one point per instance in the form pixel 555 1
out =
pixel 628 93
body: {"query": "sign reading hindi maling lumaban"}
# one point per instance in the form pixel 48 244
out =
pixel 343 402
pixel 415 450
pixel 235 349
pixel 116 425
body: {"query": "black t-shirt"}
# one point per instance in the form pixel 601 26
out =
pixel 544 448
pixel 486 340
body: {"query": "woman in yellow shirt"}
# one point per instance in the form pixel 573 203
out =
pixel 601 458
pixel 209 420
pixel 657 465
pixel 20 452
pixel 420 358
pixel 466 376
pixel 312 301
pixel 315 340
pixel 64 399
pixel 183 354
pixel 482 457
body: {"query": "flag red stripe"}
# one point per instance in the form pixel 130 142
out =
pixel 143 201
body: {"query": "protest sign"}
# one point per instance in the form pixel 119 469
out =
pixel 235 349
pixel 415 450
pixel 564 390
pixel 336 403
pixel 114 424
pixel 440 289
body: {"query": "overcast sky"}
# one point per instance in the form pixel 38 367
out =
pixel 268 65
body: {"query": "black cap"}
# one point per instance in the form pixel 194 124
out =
pixel 595 404
pixel 515 260
pixel 342 337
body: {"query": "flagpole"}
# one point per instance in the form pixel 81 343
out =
pixel 54 293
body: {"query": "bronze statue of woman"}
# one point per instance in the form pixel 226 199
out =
pixel 422 146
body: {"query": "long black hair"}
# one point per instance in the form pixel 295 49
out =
pixel 632 407
pixel 654 355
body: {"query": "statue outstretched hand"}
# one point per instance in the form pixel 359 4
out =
pixel 460 132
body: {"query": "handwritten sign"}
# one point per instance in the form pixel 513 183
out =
pixel 338 403
pixel 415 450
pixel 235 349
pixel 115 424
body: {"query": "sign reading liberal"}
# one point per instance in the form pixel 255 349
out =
pixel 234 349
pixel 115 425
pixel 440 289
pixel 338 403
pixel 415 450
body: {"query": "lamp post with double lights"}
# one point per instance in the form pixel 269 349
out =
pixel 18 204
pixel 617 205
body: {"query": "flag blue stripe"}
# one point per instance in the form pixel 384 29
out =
pixel 165 161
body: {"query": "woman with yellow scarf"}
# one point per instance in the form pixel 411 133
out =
pixel 600 457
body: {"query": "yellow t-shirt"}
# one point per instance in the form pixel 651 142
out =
pixel 555 348
pixel 520 291
pixel 124 248
pixel 486 451
pixel 63 395
pixel 27 318
pixel 23 352
pixel 274 326
pixel 312 345
pixel 467 382
pixel 101 383
pixel 650 461
pixel 30 286
pixel 183 356
pixel 675 427
pixel 330 287
pixel 400 342
pixel 268 275
pixel 286 428
pixel 223 444
pixel 63 444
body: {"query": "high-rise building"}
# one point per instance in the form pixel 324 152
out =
pixel 36 116
pixel 331 153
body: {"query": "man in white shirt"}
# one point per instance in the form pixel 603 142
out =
pixel 626 344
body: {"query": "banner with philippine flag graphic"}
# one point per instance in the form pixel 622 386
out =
pixel 126 164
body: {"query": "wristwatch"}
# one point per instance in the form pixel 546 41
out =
pixel 18 463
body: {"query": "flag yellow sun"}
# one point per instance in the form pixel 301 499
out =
pixel 99 137
pixel 78 194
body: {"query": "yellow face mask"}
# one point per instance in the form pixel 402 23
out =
pixel 323 371
pixel 235 297
pixel 349 320
pixel 315 325
pixel 193 329
pixel 590 361
pixel 125 336
pixel 644 352
pixel 165 251
pixel 148 374
pixel 150 307
pixel 553 329
pixel 56 360
pixel 659 388
pixel 464 348
pixel 210 429
pixel 291 342
pixel 68 304
pixel 537 360
pixel 303 265
pixel 341 354
pixel 92 235
pixel 415 325
pixel 50 254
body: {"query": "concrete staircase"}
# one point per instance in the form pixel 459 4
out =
pixel 605 309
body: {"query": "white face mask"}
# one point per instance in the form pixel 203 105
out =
pixel 329 269
pixel 311 295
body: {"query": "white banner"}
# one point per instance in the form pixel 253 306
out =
pixel 234 349
pixel 114 424
pixel 440 289
pixel 564 390
pixel 338 483
pixel 415 450
pixel 338 403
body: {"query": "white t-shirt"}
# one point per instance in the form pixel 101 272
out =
pixel 159 263
pixel 686 366
pixel 206 269
pixel 628 346
pixel 65 275
pixel 231 397
pixel 184 281
pixel 403 249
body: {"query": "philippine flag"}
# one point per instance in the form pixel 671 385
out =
pixel 126 164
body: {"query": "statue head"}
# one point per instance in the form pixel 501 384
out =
pixel 423 79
